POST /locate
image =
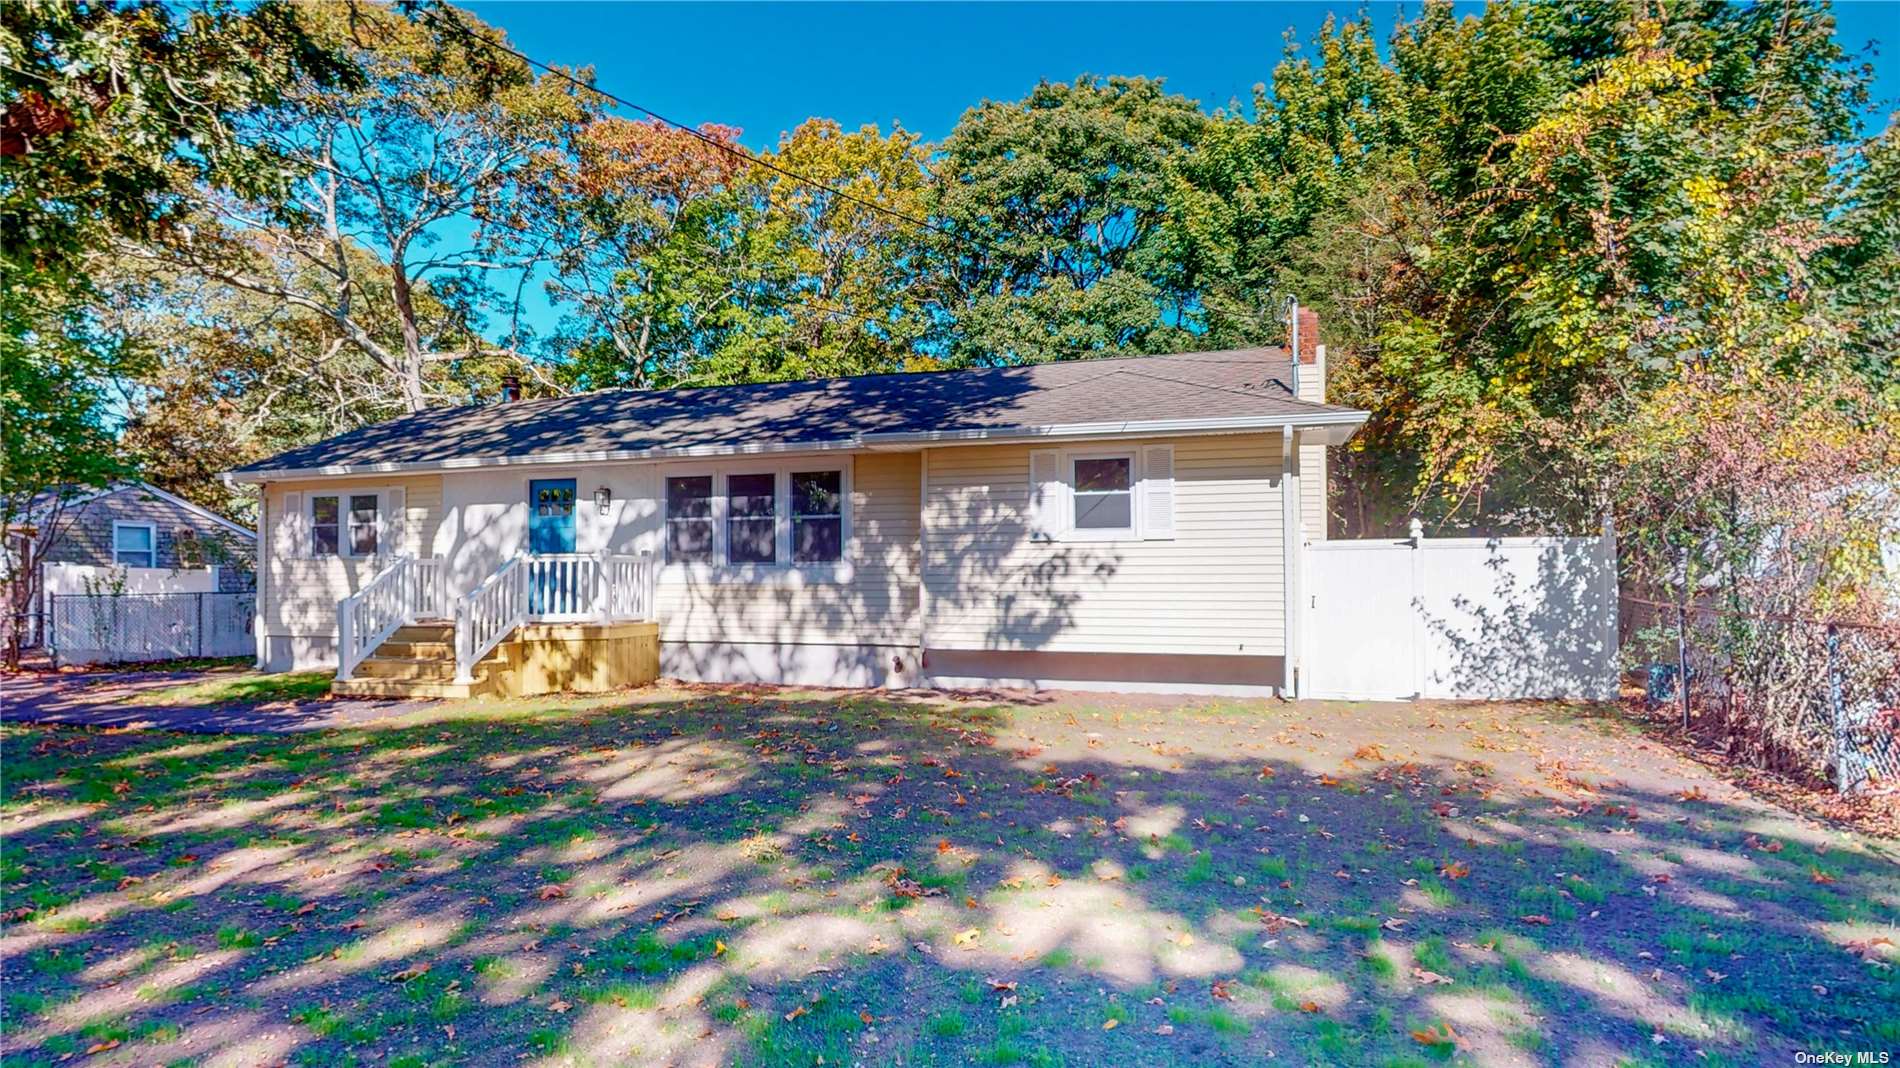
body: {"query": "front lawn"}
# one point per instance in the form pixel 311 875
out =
pixel 238 686
pixel 713 876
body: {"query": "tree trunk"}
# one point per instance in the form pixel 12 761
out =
pixel 409 375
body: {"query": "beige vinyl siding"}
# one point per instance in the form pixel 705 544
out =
pixel 1313 518
pixel 299 592
pixel 1214 589
pixel 1313 491
pixel 874 604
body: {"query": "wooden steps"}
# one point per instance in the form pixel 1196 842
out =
pixel 419 661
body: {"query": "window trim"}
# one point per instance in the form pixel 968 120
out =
pixel 378 521
pixel 722 483
pixel 1073 533
pixel 151 531
pixel 792 514
pixel 345 549
pixel 1130 532
pixel 714 516
pixel 783 570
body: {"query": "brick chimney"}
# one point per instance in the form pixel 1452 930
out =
pixel 1312 357
pixel 1309 335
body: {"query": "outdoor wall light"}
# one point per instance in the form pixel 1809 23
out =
pixel 603 499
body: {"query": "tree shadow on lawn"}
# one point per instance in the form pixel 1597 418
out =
pixel 774 879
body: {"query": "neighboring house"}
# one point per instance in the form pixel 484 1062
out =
pixel 137 525
pixel 1125 523
pixel 131 537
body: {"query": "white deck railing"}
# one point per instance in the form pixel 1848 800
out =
pixel 552 587
pixel 630 587
pixel 406 590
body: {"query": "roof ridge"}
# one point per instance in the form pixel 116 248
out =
pixel 924 373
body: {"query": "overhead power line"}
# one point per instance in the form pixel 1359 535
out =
pixel 739 151
pixel 728 147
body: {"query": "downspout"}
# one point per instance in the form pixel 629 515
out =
pixel 923 566
pixel 1291 536
pixel 262 572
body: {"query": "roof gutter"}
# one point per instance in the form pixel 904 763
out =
pixel 1335 426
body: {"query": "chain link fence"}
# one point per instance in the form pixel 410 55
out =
pixel 134 627
pixel 1779 692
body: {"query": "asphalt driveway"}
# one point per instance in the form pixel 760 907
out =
pixel 201 702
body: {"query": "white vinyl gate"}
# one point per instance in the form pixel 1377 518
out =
pixel 1469 618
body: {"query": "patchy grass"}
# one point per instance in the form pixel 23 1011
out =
pixel 775 877
pixel 239 687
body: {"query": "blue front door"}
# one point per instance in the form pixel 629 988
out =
pixel 550 530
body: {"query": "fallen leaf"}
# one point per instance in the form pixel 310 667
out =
pixel 967 937
pixel 560 1006
pixel 796 1013
pixel 719 948
pixel 1309 1006
pixel 1455 870
pixel 865 1015
pixel 101 1047
pixel 414 971
pixel 1816 875
pixel 1110 1024
pixel 553 891
pixel 1439 1035
pixel 1429 978
pixel 1165 1029
pixel 1535 919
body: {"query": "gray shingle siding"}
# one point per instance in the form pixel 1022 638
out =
pixel 85 535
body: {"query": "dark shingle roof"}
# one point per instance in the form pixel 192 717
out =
pixel 1239 384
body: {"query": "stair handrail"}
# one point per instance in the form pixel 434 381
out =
pixel 365 619
pixel 487 614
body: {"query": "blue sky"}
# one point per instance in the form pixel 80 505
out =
pixel 766 67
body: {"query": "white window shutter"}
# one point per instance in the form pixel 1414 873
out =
pixel 395 521
pixel 290 541
pixel 1048 496
pixel 1157 492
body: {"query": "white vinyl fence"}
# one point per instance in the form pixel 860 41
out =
pixel 1463 618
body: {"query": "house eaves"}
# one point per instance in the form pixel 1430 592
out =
pixel 1330 427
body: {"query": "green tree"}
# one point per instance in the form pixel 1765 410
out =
pixel 111 116
pixel 1523 226
pixel 835 292
pixel 1055 207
